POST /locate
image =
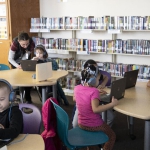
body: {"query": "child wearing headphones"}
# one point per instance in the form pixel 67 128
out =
pixel 42 57
pixel 11 120
pixel 88 105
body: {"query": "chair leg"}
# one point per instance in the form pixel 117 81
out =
pixel 22 93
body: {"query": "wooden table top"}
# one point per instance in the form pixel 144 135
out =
pixel 31 142
pixel 136 102
pixel 18 77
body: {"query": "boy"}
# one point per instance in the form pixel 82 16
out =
pixel 42 57
pixel 11 120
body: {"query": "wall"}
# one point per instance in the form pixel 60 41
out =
pixel 52 8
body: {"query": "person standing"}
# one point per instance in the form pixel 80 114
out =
pixel 21 49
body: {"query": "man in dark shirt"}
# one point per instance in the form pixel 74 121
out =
pixel 11 119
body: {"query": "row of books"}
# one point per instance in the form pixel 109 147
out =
pixel 91 22
pixel 129 46
pixel 115 69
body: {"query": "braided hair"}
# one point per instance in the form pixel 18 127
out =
pixel 87 73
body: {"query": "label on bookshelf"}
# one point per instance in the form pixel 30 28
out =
pixel 114 31
pixel 34 30
pixel 62 51
pixel 39 30
pixel 83 52
pixel 51 50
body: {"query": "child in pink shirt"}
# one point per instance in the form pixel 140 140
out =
pixel 87 99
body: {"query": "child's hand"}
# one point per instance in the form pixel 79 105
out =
pixel 1 126
pixel 35 58
pixel 114 101
pixel 101 86
pixel 102 92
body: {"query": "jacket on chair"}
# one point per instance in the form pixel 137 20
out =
pixel 50 137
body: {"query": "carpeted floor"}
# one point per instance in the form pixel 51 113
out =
pixel 123 141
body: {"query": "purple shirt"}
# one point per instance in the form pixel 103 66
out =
pixel 83 96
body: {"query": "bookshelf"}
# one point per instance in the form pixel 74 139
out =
pixel 111 48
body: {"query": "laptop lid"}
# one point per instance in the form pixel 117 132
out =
pixel 43 71
pixel 117 90
pixel 28 65
pixel 131 78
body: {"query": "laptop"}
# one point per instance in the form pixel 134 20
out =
pixel 5 142
pixel 43 71
pixel 117 90
pixel 131 78
pixel 28 65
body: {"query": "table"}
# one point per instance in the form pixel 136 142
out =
pixel 136 103
pixel 31 142
pixel 18 77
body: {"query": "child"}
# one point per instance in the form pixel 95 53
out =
pixel 11 120
pixel 88 105
pixel 103 81
pixel 42 57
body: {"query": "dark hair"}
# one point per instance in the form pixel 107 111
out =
pixel 42 48
pixel 85 74
pixel 23 36
pixel 89 62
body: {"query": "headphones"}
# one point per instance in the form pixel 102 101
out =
pixel 12 94
pixel 40 46
pixel 92 80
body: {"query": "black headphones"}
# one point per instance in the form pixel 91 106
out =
pixel 40 46
pixel 12 94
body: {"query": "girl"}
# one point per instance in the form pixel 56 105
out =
pixel 87 99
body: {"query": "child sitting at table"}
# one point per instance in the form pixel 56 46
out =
pixel 11 120
pixel 88 105
pixel 42 57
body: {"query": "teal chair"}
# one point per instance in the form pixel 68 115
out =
pixel 4 67
pixel 76 138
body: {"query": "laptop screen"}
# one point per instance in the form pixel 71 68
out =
pixel 131 78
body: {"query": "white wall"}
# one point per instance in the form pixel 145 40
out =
pixel 52 8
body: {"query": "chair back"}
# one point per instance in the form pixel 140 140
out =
pixel 31 118
pixel 4 67
pixel 62 124
pixel 108 75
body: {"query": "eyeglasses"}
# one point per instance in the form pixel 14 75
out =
pixel 24 44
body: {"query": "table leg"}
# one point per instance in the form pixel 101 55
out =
pixel 55 91
pixel 131 127
pixel 147 135
pixel 43 94
pixel 104 116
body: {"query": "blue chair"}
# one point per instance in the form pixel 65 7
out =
pixel 4 67
pixel 108 75
pixel 32 118
pixel 76 138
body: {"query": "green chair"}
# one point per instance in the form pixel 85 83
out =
pixel 76 138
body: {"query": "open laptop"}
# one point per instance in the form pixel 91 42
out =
pixel 131 78
pixel 43 71
pixel 4 142
pixel 117 90
pixel 28 65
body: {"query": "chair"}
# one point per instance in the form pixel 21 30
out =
pixel 4 67
pixel 31 118
pixel 108 75
pixel 76 137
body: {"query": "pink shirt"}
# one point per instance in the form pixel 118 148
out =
pixel 83 96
